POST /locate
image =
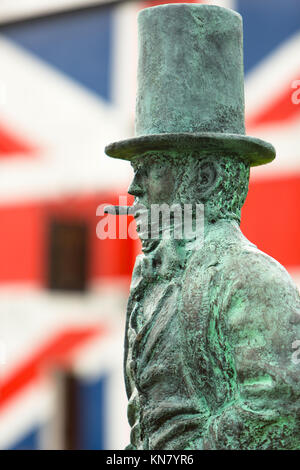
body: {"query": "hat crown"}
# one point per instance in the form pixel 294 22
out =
pixel 190 70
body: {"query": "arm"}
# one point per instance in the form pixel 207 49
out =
pixel 262 322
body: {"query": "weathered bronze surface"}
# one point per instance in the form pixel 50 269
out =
pixel 210 325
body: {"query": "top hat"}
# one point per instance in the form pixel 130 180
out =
pixel 191 85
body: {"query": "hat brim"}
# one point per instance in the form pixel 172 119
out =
pixel 254 151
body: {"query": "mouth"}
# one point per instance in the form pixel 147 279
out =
pixel 138 208
pixel 140 214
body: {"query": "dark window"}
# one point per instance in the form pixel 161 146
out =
pixel 80 418
pixel 68 255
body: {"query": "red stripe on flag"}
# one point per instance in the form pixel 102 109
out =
pixel 10 144
pixel 24 239
pixel 58 350
pixel 158 2
pixel 271 218
pixel 280 110
pixel 22 243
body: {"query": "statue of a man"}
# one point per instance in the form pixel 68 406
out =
pixel 211 320
pixel 210 323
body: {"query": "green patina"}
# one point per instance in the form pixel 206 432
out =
pixel 211 320
pixel 266 380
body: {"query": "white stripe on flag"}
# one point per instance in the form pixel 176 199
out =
pixel 223 3
pixel 271 77
pixel 124 60
pixel 11 10
pixel 68 123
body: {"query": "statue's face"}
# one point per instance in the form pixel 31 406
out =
pixel 153 183
pixel 221 183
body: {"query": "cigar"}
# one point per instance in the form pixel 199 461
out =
pixel 119 210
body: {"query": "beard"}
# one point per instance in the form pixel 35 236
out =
pixel 164 222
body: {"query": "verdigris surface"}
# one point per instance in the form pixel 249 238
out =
pixel 211 322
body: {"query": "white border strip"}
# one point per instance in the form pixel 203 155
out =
pixel 31 409
pixel 272 76
pixel 124 58
pixel 222 3
pixel 14 10
pixel 71 158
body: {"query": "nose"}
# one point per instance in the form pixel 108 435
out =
pixel 136 188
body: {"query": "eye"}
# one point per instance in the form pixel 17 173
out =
pixel 140 171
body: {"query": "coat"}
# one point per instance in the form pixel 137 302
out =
pixel 209 358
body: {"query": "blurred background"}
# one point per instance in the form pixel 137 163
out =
pixel 67 89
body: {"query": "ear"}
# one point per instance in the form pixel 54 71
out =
pixel 207 177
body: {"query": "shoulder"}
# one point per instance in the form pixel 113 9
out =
pixel 262 310
pixel 236 259
pixel 260 277
pixel 239 274
pixel 262 315
pixel 251 302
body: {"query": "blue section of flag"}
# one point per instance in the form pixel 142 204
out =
pixel 77 43
pixel 92 419
pixel 267 24
pixel 29 441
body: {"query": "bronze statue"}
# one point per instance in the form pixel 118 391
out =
pixel 211 320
